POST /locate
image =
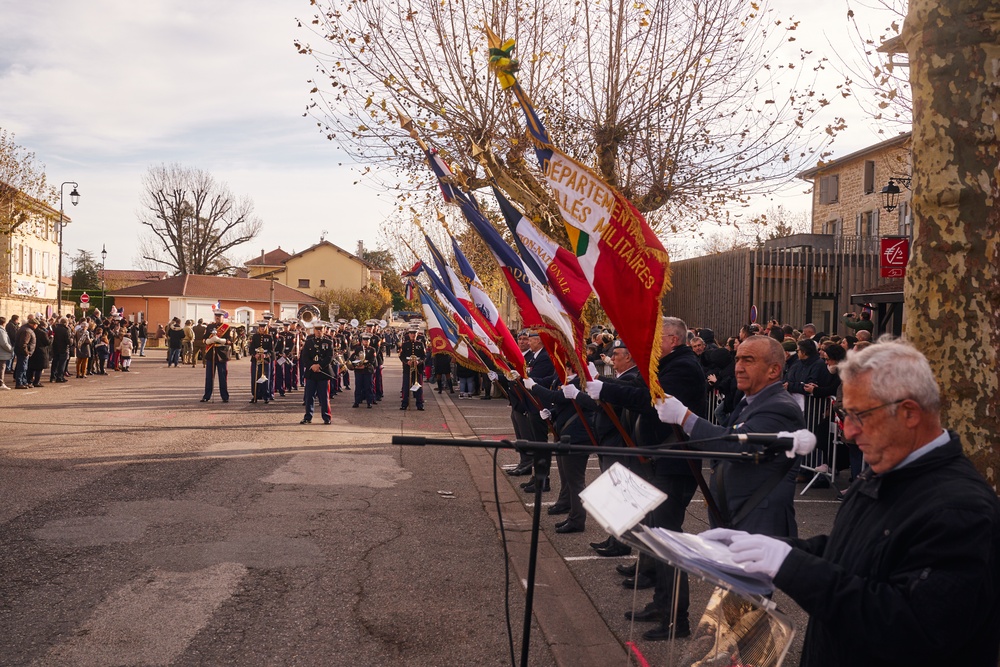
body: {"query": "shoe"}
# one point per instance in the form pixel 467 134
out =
pixel 601 545
pixel 306 421
pixel 355 405
pixel 402 407
pixel 266 401
pixel 643 582
pixel 568 527
pixel 4 387
pixel 253 400
pixel 530 486
pixel 557 509
pixel 21 386
pixel 648 615
pixel 614 551
pixel 326 422
pixel 225 400
pixel 486 398
pixel 369 406
pixel 204 400
pixel 420 408
pixel 626 570
pixel 520 471
pixel 39 386
pixel 663 632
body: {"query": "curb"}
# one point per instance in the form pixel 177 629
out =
pixel 575 633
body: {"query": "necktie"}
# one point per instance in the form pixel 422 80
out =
pixel 736 413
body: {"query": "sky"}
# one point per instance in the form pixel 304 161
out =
pixel 102 90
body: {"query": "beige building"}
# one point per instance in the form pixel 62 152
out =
pixel 321 267
pixel 847 192
pixel 29 257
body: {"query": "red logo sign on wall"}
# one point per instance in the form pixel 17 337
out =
pixel 895 253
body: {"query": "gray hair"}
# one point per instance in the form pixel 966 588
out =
pixel 900 371
pixel 775 351
pixel 676 326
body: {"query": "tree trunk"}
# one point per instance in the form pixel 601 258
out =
pixel 952 292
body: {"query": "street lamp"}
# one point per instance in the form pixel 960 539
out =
pixel 104 259
pixel 891 192
pixel 74 197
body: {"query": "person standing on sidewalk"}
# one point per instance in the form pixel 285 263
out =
pixel 143 334
pixel 218 338
pixel 6 351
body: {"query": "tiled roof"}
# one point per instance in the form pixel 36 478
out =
pixel 898 140
pixel 276 257
pixel 126 274
pixel 335 247
pixel 217 287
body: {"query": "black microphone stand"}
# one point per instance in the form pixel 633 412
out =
pixel 541 453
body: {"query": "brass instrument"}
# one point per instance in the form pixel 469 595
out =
pixel 308 316
pixel 414 363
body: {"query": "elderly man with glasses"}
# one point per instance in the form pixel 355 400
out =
pixel 909 574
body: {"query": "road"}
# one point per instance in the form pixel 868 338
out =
pixel 139 526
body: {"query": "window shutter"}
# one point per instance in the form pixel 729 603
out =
pixel 869 177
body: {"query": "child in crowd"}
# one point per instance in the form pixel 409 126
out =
pixel 126 353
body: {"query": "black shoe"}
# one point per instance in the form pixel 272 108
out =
pixel 530 486
pixel 557 509
pixel 355 405
pixel 601 545
pixel 486 398
pixel 253 400
pixel 204 400
pixel 306 421
pixel 266 401
pixel 568 527
pixel 225 400
pixel 369 406
pixel 648 615
pixel 402 407
pixel 626 570
pixel 420 408
pixel 326 422
pixel 644 582
pixel 520 471
pixel 614 551
pixel 663 632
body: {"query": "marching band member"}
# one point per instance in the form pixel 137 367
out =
pixel 363 362
pixel 412 353
pixel 317 353
pixel 218 338
pixel 261 357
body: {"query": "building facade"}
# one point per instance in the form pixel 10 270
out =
pixel 29 261
pixel 321 267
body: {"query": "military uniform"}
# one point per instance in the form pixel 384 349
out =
pixel 262 346
pixel 317 353
pixel 363 361
pixel 412 372
pixel 218 339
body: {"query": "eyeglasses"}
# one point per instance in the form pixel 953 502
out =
pixel 855 417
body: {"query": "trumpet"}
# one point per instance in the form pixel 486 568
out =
pixel 308 315
pixel 414 361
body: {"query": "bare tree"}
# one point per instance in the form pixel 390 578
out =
pixel 681 105
pixel 193 221
pixel 22 179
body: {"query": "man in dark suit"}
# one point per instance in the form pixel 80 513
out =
pixel 766 408
pixel 541 370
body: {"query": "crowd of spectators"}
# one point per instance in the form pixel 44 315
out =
pixel 35 344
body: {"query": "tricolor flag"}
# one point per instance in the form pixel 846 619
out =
pixel 622 258
pixel 443 334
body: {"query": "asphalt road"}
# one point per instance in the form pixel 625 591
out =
pixel 139 526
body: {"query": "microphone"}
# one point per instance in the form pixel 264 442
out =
pixel 800 442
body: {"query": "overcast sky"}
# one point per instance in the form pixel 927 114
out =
pixel 102 90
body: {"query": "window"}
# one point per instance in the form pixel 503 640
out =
pixel 45 265
pixel 829 189
pixel 322 283
pixel 303 282
pixel 15 259
pixel 869 182
pixel 905 219
pixel 835 227
pixel 867 223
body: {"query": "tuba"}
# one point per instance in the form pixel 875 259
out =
pixel 308 316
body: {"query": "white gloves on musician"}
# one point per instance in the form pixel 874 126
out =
pixel 756 553
pixel 593 369
pixel 670 410
pixel 545 415
pixel 803 442
pixel 492 376
pixel 529 383
pixel 215 340
pixel 594 389
pixel 570 391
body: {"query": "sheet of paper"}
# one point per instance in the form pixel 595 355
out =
pixel 618 499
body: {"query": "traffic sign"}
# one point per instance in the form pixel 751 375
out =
pixel 84 298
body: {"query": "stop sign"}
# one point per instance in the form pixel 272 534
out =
pixel 84 298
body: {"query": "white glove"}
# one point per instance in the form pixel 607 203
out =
pixel 545 415
pixel 594 389
pixel 492 376
pixel 515 376
pixel 593 369
pixel 723 535
pixel 670 410
pixel 803 442
pixel 759 553
pixel 529 383
pixel 570 391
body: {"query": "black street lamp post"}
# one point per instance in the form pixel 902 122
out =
pixel 74 197
pixel 104 260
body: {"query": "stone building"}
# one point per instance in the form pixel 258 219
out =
pixel 29 260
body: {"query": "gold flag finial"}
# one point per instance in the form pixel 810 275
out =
pixel 443 221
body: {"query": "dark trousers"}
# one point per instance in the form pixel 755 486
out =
pixel 317 389
pixel 258 370
pixel 408 380
pixel 213 367
pixel 379 390
pixel 572 480
pixel 59 361
pixel 364 387
pixel 670 515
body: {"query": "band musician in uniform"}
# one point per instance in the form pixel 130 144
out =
pixel 316 355
pixel 413 355
pixel 218 338
pixel 363 363
pixel 261 363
